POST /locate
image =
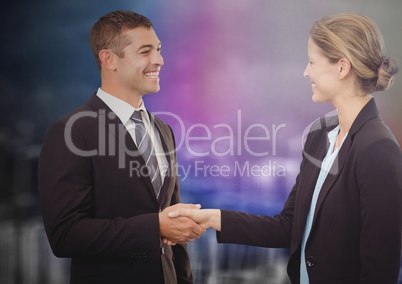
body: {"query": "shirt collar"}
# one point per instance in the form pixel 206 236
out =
pixel 122 109
pixel 332 135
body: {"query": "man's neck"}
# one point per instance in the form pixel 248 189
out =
pixel 130 98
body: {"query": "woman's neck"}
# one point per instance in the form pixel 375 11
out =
pixel 348 109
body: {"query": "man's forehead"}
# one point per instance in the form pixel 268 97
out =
pixel 143 36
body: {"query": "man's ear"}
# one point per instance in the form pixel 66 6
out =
pixel 108 59
pixel 344 67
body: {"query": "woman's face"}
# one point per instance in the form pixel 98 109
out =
pixel 322 74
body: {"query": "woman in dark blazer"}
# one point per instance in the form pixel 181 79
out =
pixel 342 219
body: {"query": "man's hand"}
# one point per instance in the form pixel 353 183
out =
pixel 181 229
pixel 206 218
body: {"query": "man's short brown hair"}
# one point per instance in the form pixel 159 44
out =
pixel 109 32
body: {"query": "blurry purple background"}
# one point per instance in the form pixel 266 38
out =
pixel 233 69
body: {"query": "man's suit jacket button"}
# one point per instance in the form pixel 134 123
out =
pixel 162 250
pixel 132 255
pixel 310 261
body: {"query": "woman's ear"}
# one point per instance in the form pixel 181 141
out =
pixel 108 59
pixel 344 67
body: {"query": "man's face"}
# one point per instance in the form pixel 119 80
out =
pixel 138 70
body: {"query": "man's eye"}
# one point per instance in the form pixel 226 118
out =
pixel 145 52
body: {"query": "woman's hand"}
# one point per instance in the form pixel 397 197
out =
pixel 206 218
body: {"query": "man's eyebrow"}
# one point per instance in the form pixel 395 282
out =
pixel 149 46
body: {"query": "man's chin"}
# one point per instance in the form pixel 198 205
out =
pixel 150 92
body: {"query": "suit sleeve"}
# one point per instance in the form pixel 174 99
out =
pixel 66 194
pixel 379 177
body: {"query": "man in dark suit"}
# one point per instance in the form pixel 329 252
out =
pixel 105 196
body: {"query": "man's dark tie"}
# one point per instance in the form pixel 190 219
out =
pixel 145 146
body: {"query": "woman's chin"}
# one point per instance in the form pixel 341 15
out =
pixel 318 99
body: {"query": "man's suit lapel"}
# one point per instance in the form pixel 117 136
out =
pixel 134 156
pixel 123 139
pixel 168 149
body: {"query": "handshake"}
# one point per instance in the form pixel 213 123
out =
pixel 182 223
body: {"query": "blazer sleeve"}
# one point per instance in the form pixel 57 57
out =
pixel 66 194
pixel 260 230
pixel 379 178
pixel 267 231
